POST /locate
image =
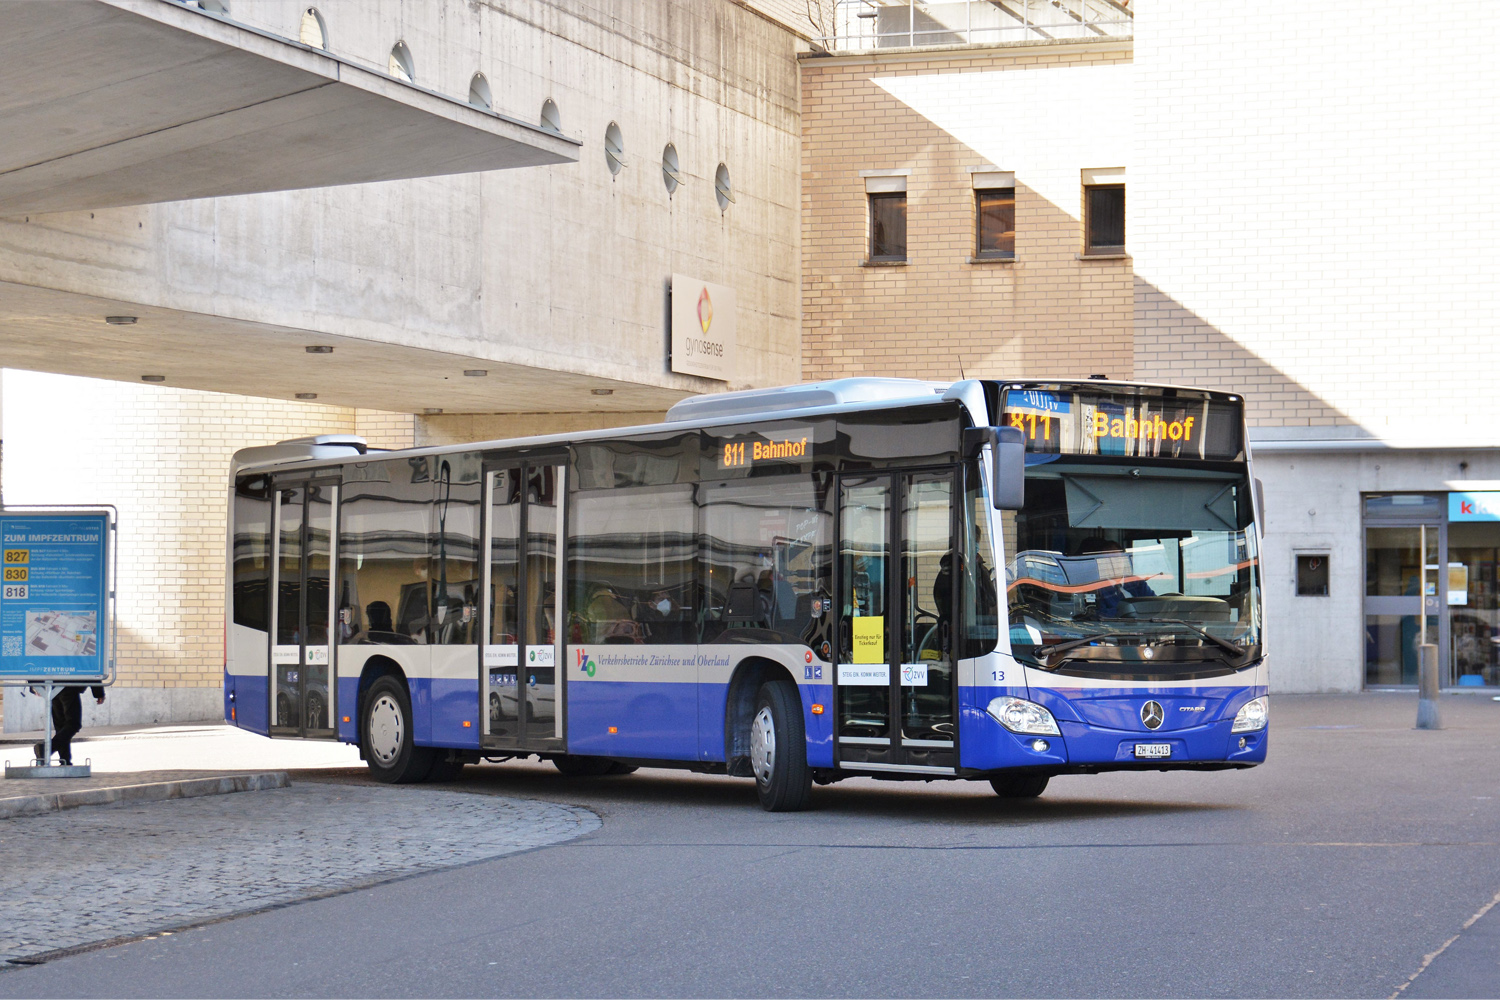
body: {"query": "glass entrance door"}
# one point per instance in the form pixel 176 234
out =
pixel 1404 599
pixel 522 700
pixel 895 673
pixel 302 699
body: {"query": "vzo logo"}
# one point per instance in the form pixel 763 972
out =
pixel 586 664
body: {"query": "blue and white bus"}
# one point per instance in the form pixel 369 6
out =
pixel 799 584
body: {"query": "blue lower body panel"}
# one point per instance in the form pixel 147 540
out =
pixel 1101 726
pixel 251 701
pixel 348 705
pixel 654 721
pixel 455 718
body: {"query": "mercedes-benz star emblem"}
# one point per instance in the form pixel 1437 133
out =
pixel 1152 715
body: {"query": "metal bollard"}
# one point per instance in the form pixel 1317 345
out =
pixel 1427 687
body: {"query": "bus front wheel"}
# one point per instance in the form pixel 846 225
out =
pixel 1019 786
pixel 386 735
pixel 778 749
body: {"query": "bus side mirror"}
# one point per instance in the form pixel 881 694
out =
pixel 1008 468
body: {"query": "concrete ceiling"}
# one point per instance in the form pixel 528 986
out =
pixel 104 105
pixel 46 330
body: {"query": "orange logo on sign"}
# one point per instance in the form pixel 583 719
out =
pixel 705 310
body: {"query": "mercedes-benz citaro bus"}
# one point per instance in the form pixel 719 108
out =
pixel 999 581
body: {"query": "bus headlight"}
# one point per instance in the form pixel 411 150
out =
pixel 1021 716
pixel 1252 716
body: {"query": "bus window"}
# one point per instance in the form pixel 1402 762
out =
pixel 454 551
pixel 630 557
pixel 383 554
pixel 979 594
pixel 767 561
pixel 252 554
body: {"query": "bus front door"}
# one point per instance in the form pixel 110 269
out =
pixel 304 534
pixel 521 687
pixel 895 673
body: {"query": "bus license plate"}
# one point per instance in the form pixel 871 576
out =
pixel 1153 750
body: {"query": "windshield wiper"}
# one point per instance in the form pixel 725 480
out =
pixel 1205 633
pixel 1051 654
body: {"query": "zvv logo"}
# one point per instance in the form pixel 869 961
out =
pixel 586 664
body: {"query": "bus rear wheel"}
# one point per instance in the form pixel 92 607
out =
pixel 778 749
pixel 385 735
pixel 1019 786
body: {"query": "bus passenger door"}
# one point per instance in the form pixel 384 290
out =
pixel 304 534
pixel 521 688
pixel 895 673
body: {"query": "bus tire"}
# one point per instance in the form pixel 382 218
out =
pixel 385 735
pixel 1019 786
pixel 778 749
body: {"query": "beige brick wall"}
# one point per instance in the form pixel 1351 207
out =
pixel 385 430
pixel 161 456
pixel 1045 112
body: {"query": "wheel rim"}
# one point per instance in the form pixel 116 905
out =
pixel 385 730
pixel 763 745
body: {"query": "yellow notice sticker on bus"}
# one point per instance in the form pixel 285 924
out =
pixel 869 639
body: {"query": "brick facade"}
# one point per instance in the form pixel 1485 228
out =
pixel 1046 112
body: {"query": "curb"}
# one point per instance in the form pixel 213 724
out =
pixel 185 788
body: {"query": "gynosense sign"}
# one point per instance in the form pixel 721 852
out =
pixel 703 328
pixel 54 596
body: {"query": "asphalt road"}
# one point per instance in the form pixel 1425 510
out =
pixel 1336 869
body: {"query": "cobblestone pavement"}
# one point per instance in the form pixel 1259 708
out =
pixel 107 872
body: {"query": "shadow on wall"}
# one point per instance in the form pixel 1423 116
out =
pixel 1174 344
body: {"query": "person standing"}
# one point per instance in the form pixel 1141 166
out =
pixel 67 720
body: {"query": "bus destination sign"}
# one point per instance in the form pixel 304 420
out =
pixel 744 451
pixel 1062 421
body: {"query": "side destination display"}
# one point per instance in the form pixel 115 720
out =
pixel 53 602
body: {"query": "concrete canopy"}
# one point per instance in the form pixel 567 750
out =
pixel 47 330
pixel 107 103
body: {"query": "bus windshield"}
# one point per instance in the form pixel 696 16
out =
pixel 1133 569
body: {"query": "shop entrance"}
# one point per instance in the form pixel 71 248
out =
pixel 1431 561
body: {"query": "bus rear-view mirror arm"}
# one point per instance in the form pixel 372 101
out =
pixel 1008 463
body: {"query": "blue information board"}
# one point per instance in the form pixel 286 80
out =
pixel 54 595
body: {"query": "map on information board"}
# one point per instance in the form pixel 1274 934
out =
pixel 53 595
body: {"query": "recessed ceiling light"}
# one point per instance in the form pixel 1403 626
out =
pixel 602 392
pixel 153 378
pixel 307 395
pixel 433 411
pixel 476 372
pixel 318 349
pixel 120 320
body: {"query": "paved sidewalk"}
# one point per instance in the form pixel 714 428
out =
pixel 88 876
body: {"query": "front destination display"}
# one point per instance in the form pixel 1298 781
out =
pixel 796 585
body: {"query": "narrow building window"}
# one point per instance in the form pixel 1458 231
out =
pixel 994 215
pixel 886 193
pixel 1104 211
pixel 888 225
